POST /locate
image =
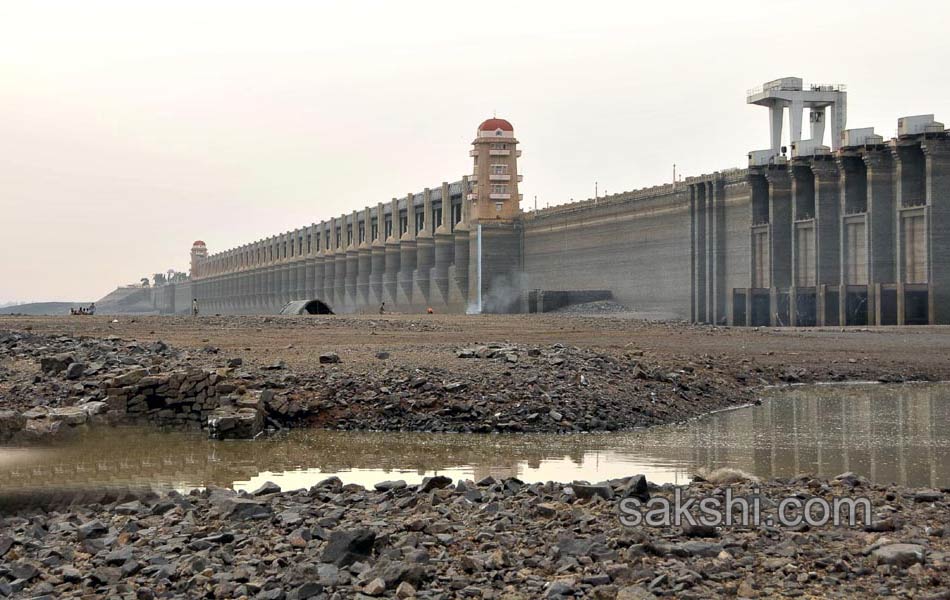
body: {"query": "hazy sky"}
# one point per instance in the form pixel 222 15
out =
pixel 129 129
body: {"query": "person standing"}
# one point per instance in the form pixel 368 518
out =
pixel 194 307
pixel 382 308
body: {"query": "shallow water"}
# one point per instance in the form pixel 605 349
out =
pixel 896 434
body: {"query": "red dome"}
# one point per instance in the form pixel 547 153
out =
pixel 493 124
pixel 198 243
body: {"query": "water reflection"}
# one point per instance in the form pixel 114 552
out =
pixel 888 433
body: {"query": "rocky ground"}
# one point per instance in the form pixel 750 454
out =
pixel 428 374
pixel 444 539
pixel 490 539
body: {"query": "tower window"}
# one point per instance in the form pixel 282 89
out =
pixel 499 188
pixel 498 206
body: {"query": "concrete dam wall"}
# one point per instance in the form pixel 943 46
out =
pixel 857 235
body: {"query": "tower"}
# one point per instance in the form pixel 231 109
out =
pixel 199 252
pixel 791 93
pixel 494 195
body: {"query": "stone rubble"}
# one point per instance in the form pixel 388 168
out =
pixel 50 384
pixel 444 539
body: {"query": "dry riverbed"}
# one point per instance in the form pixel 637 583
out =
pixel 444 539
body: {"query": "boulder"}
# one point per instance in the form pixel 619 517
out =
pixel 901 555
pixel 244 509
pixel 231 423
pixel 56 363
pixel 70 415
pixel 348 546
pixel 329 358
pixel 586 492
pixel 10 423
pixel 75 370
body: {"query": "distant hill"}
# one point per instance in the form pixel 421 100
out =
pixel 41 308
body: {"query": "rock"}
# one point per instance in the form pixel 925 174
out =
pixel 348 546
pixel 901 555
pixel 219 538
pixel 634 592
pixel 56 363
pixel 637 487
pixel 235 423
pixel 24 570
pixel 928 496
pixel 10 423
pixel 546 509
pixel 699 531
pixel 268 488
pixel 243 509
pixel 329 358
pixel 75 370
pixel 69 415
pixel 160 508
pixel 375 587
pixel 384 486
pixel 129 508
pixel 94 408
pixel 586 492
pixel 405 590
pixel 91 529
pixel 307 590
pixel 119 556
pixel 235 362
pixel 559 589
pixel 129 378
pixel 382 355
pixel 433 483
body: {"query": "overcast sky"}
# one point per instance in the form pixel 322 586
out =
pixel 130 129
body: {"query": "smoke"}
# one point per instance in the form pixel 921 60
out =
pixel 504 293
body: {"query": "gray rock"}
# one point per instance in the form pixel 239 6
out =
pixel 348 546
pixel 433 483
pixel 586 492
pixel 375 587
pixel 119 556
pixel 57 363
pixel 70 415
pixel 307 590
pixel 75 370
pixel 268 488
pixel 637 487
pixel 91 529
pixel 634 592
pixel 901 555
pixel 243 509
pixel 329 358
pixel 385 486
pixel 928 496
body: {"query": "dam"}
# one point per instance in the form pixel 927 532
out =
pixel 855 231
